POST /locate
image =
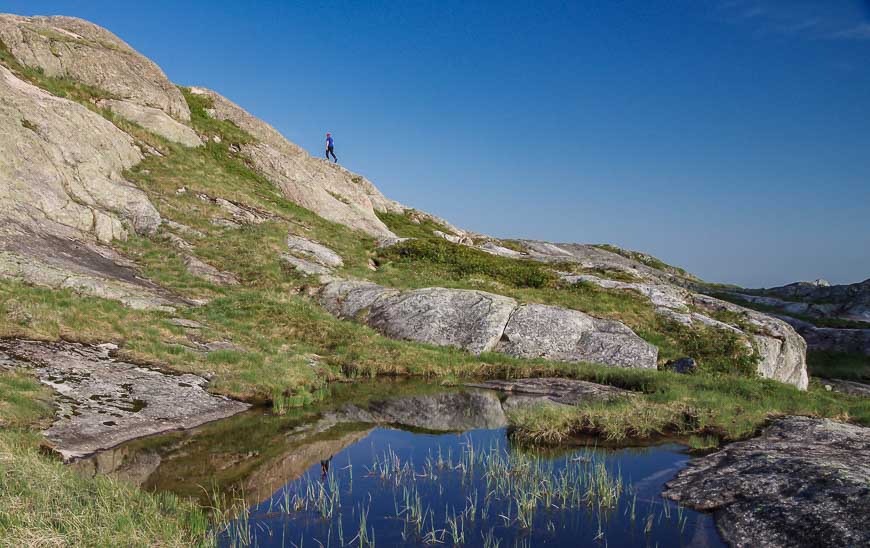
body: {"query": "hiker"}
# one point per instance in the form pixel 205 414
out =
pixel 330 147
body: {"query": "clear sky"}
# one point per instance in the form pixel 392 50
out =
pixel 731 137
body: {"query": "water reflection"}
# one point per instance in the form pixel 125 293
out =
pixel 266 461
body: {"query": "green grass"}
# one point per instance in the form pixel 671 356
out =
pixel 839 365
pixel 721 407
pixel 460 262
pixel 403 225
pixel 61 87
pixel 44 503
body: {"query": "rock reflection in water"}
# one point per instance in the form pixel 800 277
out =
pixel 254 453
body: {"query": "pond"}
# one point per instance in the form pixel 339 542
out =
pixel 410 464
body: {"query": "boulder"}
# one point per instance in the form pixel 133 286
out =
pixel 84 52
pixel 154 120
pixel 781 350
pixel 347 299
pixel 313 251
pixel 478 322
pixel 802 482
pixel 305 267
pixel 325 188
pixel 683 366
pixel 471 320
pixel 554 333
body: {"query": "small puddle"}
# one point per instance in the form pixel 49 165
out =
pixel 411 464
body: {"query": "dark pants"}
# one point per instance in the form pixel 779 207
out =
pixel 331 150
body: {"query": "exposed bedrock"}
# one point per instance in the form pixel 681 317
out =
pixel 104 402
pixel 803 482
pixel 478 321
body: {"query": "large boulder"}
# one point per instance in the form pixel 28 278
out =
pixel 471 320
pixel 82 51
pixel 554 333
pixel 325 188
pixel 478 322
pixel 803 482
pixel 781 351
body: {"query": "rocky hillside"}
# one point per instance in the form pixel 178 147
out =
pixel 99 149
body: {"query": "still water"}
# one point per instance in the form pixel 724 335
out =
pixel 412 465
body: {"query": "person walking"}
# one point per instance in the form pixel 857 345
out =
pixel 330 147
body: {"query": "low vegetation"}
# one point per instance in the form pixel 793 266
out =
pixel 289 349
pixel 44 503
pixel 723 407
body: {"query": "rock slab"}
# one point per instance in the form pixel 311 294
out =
pixel 104 402
pixel 802 482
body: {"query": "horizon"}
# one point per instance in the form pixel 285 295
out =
pixel 727 138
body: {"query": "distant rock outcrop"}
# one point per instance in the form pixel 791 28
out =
pixel 848 302
pixel 478 321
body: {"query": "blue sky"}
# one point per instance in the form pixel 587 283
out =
pixel 731 137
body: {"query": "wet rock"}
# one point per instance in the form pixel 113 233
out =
pixel 104 402
pixel 554 333
pixel 87 269
pixel 552 390
pixel 802 482
pixel 313 251
pixel 445 411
